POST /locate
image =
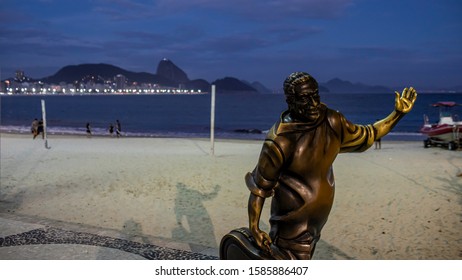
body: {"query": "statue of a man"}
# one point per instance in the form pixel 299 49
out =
pixel 295 166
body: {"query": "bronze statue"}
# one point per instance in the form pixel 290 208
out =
pixel 295 169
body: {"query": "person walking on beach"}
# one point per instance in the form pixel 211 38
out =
pixel 40 129
pixel 111 129
pixel 378 142
pixel 295 166
pixel 118 128
pixel 34 128
pixel 88 130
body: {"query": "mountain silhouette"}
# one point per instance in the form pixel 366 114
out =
pixel 168 75
pixel 337 85
pixel 102 72
pixel 170 71
pixel 233 84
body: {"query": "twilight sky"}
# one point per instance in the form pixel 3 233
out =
pixel 393 43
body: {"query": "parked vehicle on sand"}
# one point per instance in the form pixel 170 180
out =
pixel 448 131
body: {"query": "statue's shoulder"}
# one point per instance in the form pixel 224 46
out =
pixel 331 113
pixel 280 142
pixel 334 117
pixel 335 120
pixel 272 133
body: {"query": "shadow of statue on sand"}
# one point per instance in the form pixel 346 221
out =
pixel 194 224
pixel 133 231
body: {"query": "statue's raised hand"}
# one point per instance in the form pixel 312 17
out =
pixel 405 101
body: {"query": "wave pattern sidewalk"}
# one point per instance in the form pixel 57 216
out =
pixel 70 241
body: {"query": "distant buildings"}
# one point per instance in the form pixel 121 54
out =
pixel 120 81
pixel 20 77
pixel 22 85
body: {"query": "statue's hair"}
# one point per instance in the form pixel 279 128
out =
pixel 298 78
pixel 295 79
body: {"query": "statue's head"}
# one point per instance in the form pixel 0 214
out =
pixel 302 96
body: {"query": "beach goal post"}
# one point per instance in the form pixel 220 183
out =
pixel 212 122
pixel 44 118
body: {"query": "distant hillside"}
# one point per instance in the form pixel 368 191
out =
pixel 100 73
pixel 232 84
pixel 168 74
pixel 259 87
pixel 168 70
pixel 339 86
pixel 177 77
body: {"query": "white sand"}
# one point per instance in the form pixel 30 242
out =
pixel 400 202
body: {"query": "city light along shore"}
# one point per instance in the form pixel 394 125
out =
pixel 22 85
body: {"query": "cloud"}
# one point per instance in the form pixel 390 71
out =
pixel 41 41
pixel 120 10
pixel 256 10
pixel 171 26
pixel 284 32
pixel 11 17
pixel 264 9
pixel 378 52
pixel 235 43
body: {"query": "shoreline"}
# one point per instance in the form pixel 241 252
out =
pixel 24 130
pixel 400 202
pixel 100 136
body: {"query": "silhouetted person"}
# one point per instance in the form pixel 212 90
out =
pixel 88 129
pixel 40 129
pixel 378 144
pixel 111 129
pixel 118 128
pixel 34 128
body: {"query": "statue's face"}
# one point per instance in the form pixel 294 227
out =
pixel 306 106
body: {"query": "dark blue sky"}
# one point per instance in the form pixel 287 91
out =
pixel 393 43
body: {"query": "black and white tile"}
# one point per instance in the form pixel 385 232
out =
pixel 52 235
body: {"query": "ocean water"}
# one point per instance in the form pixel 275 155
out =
pixel 240 116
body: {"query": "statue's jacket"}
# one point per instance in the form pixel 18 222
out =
pixel 295 167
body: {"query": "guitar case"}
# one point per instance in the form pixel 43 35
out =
pixel 239 244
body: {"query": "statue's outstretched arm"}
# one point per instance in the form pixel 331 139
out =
pixel 403 105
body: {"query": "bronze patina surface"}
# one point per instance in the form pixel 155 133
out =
pixel 295 169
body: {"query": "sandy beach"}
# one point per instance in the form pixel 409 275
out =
pixel 399 202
